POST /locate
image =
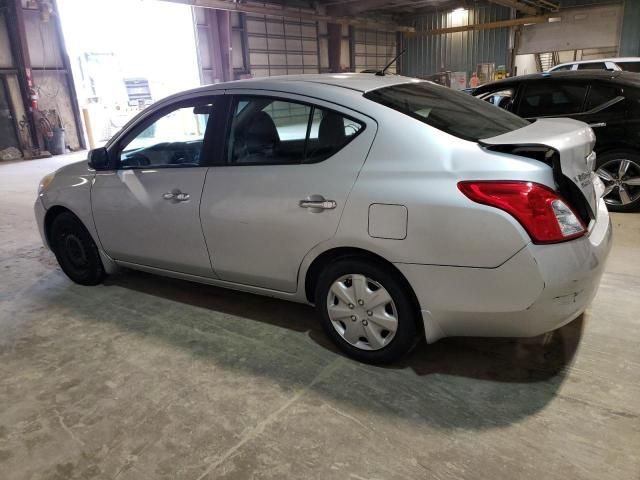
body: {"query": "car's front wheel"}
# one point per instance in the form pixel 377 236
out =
pixel 366 310
pixel 75 250
pixel 620 173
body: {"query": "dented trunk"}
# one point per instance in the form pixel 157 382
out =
pixel 564 144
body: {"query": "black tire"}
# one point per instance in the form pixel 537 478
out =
pixel 407 333
pixel 75 250
pixel 609 162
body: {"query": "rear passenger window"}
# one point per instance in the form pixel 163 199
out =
pixel 592 66
pixel 601 94
pixel 268 131
pixel 633 100
pixel 544 99
pixel 563 68
pixel 630 66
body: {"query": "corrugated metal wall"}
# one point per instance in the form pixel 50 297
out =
pixel 461 51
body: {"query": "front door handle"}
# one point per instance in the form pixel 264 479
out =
pixel 597 125
pixel 318 204
pixel 176 196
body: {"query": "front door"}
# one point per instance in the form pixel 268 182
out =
pixel 147 210
pixel 290 167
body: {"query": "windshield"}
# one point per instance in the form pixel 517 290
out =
pixel 453 112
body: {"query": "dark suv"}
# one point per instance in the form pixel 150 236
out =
pixel 608 101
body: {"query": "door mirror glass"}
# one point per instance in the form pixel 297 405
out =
pixel 99 159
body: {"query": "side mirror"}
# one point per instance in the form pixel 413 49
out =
pixel 99 159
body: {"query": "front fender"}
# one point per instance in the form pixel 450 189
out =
pixel 71 189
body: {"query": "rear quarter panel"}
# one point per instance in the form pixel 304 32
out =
pixel 417 166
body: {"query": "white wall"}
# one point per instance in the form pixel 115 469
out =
pixel 526 64
pixel 6 60
pixel 577 29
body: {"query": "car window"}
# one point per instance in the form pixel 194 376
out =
pixel 268 131
pixel 563 68
pixel 592 66
pixel 543 99
pixel 633 101
pixel 600 94
pixel 501 98
pixel 453 112
pixel 173 140
pixel 629 66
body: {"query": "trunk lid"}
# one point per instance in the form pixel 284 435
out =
pixel 572 143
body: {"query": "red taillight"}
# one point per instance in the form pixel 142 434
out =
pixel 542 212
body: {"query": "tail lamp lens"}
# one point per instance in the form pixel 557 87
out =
pixel 540 210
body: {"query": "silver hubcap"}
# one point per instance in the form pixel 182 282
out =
pixel 621 178
pixel 362 312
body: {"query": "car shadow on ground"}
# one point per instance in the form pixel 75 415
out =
pixel 469 383
pixel 535 359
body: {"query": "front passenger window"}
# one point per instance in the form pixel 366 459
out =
pixel 173 140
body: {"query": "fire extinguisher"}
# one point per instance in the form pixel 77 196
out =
pixel 33 96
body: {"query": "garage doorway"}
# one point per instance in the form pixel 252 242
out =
pixel 132 55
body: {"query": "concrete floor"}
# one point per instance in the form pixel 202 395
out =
pixel 152 378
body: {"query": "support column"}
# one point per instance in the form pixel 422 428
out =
pixel 20 49
pixel 219 37
pixel 334 31
pixel 630 36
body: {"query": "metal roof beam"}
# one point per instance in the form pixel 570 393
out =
pixel 481 26
pixel 521 7
pixel 294 12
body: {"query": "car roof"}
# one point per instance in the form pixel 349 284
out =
pixel 361 82
pixel 600 60
pixel 628 78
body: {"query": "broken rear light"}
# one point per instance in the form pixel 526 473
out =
pixel 541 211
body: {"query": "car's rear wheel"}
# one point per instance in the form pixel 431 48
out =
pixel 366 310
pixel 75 250
pixel 620 173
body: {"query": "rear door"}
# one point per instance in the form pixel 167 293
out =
pixel 289 167
pixel 605 112
pixel 632 134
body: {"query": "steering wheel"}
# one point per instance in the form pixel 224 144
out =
pixel 136 160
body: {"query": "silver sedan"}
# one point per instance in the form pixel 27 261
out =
pixel 400 208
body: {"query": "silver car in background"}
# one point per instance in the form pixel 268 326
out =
pixel 400 208
pixel 628 64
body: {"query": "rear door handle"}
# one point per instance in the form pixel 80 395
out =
pixel 176 196
pixel 318 204
pixel 597 125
